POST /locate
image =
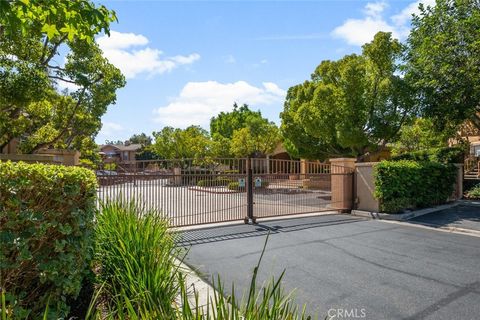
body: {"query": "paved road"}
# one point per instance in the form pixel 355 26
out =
pixel 465 216
pixel 393 271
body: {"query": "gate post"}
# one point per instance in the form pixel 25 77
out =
pixel 249 189
pixel 342 171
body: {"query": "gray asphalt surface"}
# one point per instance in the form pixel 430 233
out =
pixel 465 216
pixel 391 271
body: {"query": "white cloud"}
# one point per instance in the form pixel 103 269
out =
pixel 110 130
pixel 375 9
pixel 361 31
pixel 402 19
pixel 129 52
pixel 199 101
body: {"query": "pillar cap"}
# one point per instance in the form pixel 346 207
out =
pixel 342 159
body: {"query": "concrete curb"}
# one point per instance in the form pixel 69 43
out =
pixel 455 230
pixel 196 286
pixel 204 189
pixel 403 216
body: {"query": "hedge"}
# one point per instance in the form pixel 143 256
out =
pixel 217 182
pixel 46 232
pixel 407 184
pixel 443 155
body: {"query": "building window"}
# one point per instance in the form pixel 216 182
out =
pixel 125 155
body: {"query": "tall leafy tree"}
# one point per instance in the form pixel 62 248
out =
pixel 32 106
pixel 443 61
pixel 141 138
pixel 242 132
pixel 190 143
pixel 225 123
pixel 350 106
pixel 259 137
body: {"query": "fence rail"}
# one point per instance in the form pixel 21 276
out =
pixel 197 191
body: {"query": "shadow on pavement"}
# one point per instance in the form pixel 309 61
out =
pixel 223 233
pixel 465 216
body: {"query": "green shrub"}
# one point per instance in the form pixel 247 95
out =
pixel 215 182
pixel 443 155
pixel 406 184
pixel 230 171
pixel 474 193
pixel 46 233
pixel 136 257
pixel 235 186
pixel 110 166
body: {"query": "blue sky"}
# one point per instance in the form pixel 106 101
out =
pixel 187 61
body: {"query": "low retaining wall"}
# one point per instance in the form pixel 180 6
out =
pixel 318 183
pixel 51 156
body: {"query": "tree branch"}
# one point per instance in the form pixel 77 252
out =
pixel 44 50
pixel 62 79
pixel 66 127
pixel 54 50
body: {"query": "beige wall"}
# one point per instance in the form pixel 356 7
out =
pixel 30 158
pixel 66 157
pixel 342 183
pixel 365 187
pixel 53 156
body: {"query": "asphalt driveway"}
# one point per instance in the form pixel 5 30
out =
pixel 391 271
pixel 465 216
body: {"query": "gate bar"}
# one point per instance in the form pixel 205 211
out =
pixel 249 189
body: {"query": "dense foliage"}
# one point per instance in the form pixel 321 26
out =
pixel 406 184
pixel 442 155
pixel 419 135
pixel 473 193
pixel 54 82
pixel 242 133
pixel 137 257
pixel 46 232
pixel 443 61
pixel 175 143
pixel 225 123
pixel 350 106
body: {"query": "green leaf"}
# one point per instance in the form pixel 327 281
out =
pixel 51 30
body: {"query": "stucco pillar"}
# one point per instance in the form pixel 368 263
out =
pixel 342 183
pixel 177 176
pixel 303 169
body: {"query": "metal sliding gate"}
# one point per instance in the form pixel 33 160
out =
pixel 199 191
